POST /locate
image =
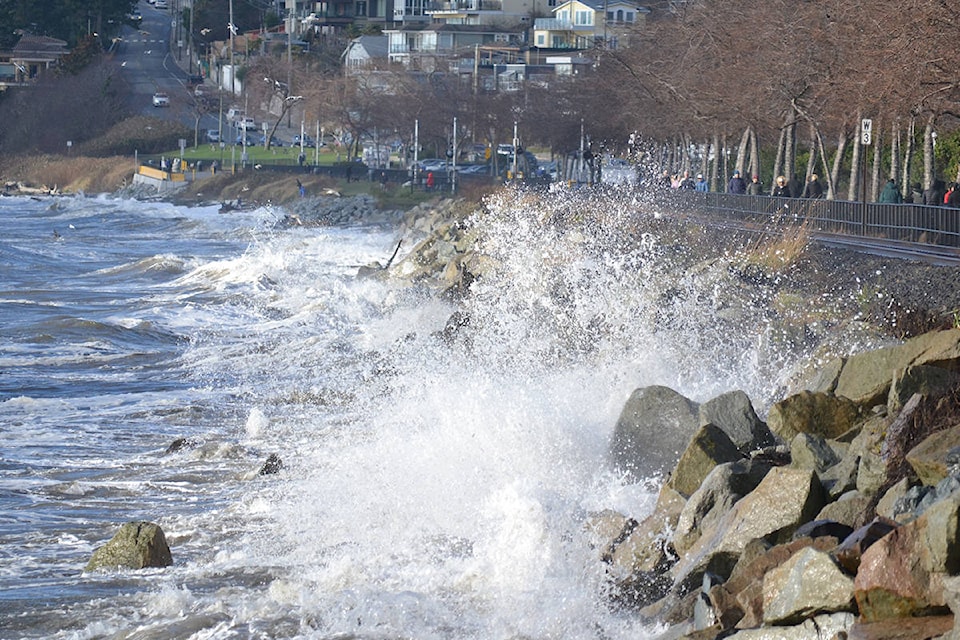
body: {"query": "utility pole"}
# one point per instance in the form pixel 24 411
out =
pixel 453 176
pixel 190 38
pixel 233 70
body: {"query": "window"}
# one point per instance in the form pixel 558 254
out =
pixel 541 39
pixel 361 8
pixel 630 16
pixel 619 15
pixel 583 18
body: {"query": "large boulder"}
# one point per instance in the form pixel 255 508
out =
pixel 809 451
pixel 721 489
pixel 901 574
pixel 734 414
pixel 135 546
pixel 708 447
pixel 823 627
pixel 654 427
pixel 866 378
pixel 821 414
pixel 738 602
pixel 784 499
pixel 924 380
pixel 937 457
pixel 808 583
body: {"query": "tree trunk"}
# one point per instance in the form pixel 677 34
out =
pixel 856 162
pixel 812 158
pixel 742 151
pixel 754 153
pixel 790 146
pixel 895 150
pixel 877 159
pixel 929 161
pixel 908 158
pixel 834 174
pixel 715 165
pixel 778 161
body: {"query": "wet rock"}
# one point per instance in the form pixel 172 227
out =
pixel 181 444
pixel 821 414
pixel 644 547
pixel 734 414
pixel 272 466
pixel 921 380
pixel 708 447
pixel 135 546
pixel 784 499
pixel 723 487
pixel 654 427
pixel 900 437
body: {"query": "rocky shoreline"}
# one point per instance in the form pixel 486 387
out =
pixel 836 516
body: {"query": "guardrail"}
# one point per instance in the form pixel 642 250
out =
pixel 899 222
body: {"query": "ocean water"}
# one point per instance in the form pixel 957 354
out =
pixel 431 487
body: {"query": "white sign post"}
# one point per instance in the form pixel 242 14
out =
pixel 866 131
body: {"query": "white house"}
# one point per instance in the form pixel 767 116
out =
pixel 581 24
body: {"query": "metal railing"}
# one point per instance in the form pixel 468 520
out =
pixel 896 222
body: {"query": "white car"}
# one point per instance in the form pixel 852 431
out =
pixel 213 135
pixel 247 124
pixel 161 99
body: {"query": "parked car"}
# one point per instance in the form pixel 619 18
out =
pixel 161 99
pixel 246 140
pixel 433 164
pixel 160 4
pixel 473 169
pixel 234 113
pixel 247 124
pixel 274 141
pixel 194 80
pixel 307 141
pixel 213 135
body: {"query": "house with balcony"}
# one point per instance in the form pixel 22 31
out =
pixel 329 16
pixel 434 47
pixel 582 24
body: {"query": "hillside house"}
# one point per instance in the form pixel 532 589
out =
pixel 31 58
pixel 582 24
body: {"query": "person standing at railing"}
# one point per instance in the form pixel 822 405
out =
pixel 813 189
pixel 702 185
pixel 687 182
pixel 736 184
pixel 890 193
pixel 953 196
pixel 933 196
pixel 916 193
pixel 795 186
pixel 755 188
pixel 781 190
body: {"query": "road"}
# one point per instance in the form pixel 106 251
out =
pixel 148 64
